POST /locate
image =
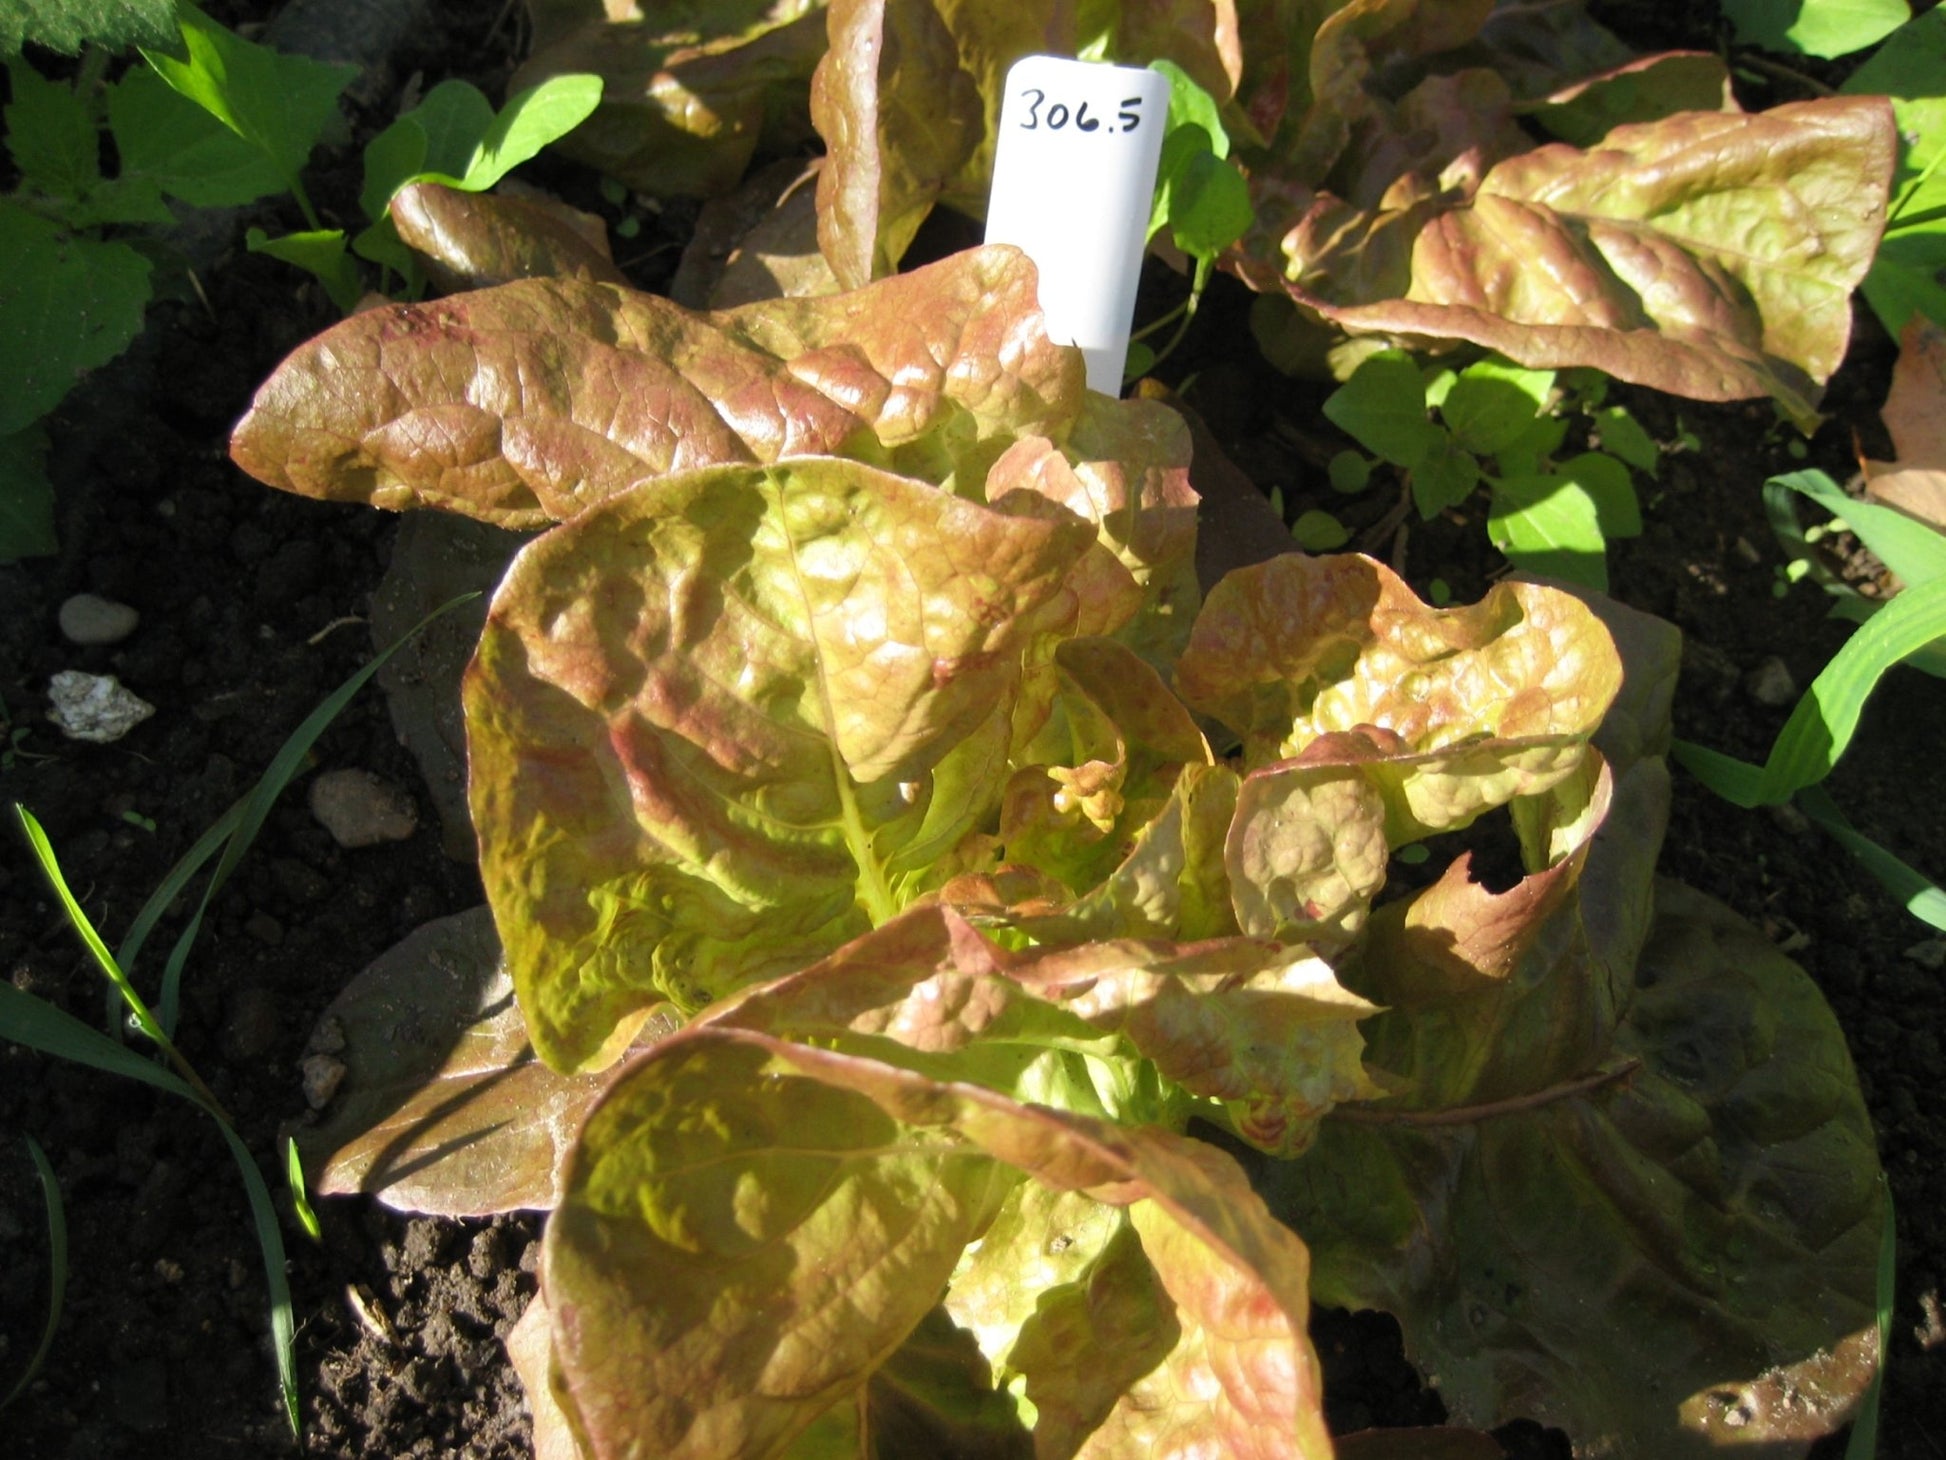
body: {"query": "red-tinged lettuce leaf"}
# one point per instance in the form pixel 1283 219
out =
pixel 1125 466
pixel 1300 647
pixel 708 715
pixel 1709 254
pixel 443 1106
pixel 742 1243
pixel 934 1396
pixel 752 1228
pixel 1663 1263
pixel 1172 884
pixel 908 97
pixel 474 240
pixel 524 404
pixel 1263 1031
pixel 1100 766
pixel 689 90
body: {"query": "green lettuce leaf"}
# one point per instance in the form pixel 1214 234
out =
pixel 707 715
pixel 753 1227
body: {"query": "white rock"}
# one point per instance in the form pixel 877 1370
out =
pixel 86 619
pixel 1770 683
pixel 94 707
pixel 323 1074
pixel 360 810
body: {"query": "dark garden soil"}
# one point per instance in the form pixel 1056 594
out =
pixel 254 605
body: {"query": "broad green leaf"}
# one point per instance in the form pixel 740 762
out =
pixel 689 91
pixel 752 1227
pixel 477 240
pixel 68 25
pixel 1493 405
pixel 167 140
pixel 524 404
pixel 741 1242
pixel 67 305
pixel 279 104
pixel 1824 28
pixel 706 714
pixel 1172 884
pixel 1444 477
pixel 1710 254
pixel 1622 436
pixel 50 135
pixel 1719 1204
pixel 1299 647
pixel 1550 524
pixel 26 497
pixel 321 253
pixel 444 1108
pixel 531 119
pixel 1383 408
pixel 438 136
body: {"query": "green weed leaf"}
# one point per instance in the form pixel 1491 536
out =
pixel 67 305
pixel 278 104
pixel 1823 28
pixel 68 25
pixel 321 253
pixel 1550 524
pixel 51 135
pixel 1383 408
pixel 168 141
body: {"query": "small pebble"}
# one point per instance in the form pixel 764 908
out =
pixel 361 810
pixel 323 1074
pixel 264 928
pixel 88 619
pixel 1770 683
pixel 1929 954
pixel 1789 820
pixel 94 707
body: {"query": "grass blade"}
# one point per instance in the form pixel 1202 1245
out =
pixel 1864 1429
pixel 307 1217
pixel 37 1024
pixel 57 1264
pixel 270 1238
pixel 1921 896
pixel 252 812
pixel 1822 724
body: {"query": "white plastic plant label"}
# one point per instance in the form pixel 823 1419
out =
pixel 1073 174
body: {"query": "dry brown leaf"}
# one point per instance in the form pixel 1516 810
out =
pixel 1915 414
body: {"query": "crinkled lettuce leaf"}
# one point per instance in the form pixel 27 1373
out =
pixel 707 715
pixel 525 404
pixel 753 1227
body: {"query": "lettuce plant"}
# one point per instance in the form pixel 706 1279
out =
pixel 1682 243
pixel 890 860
